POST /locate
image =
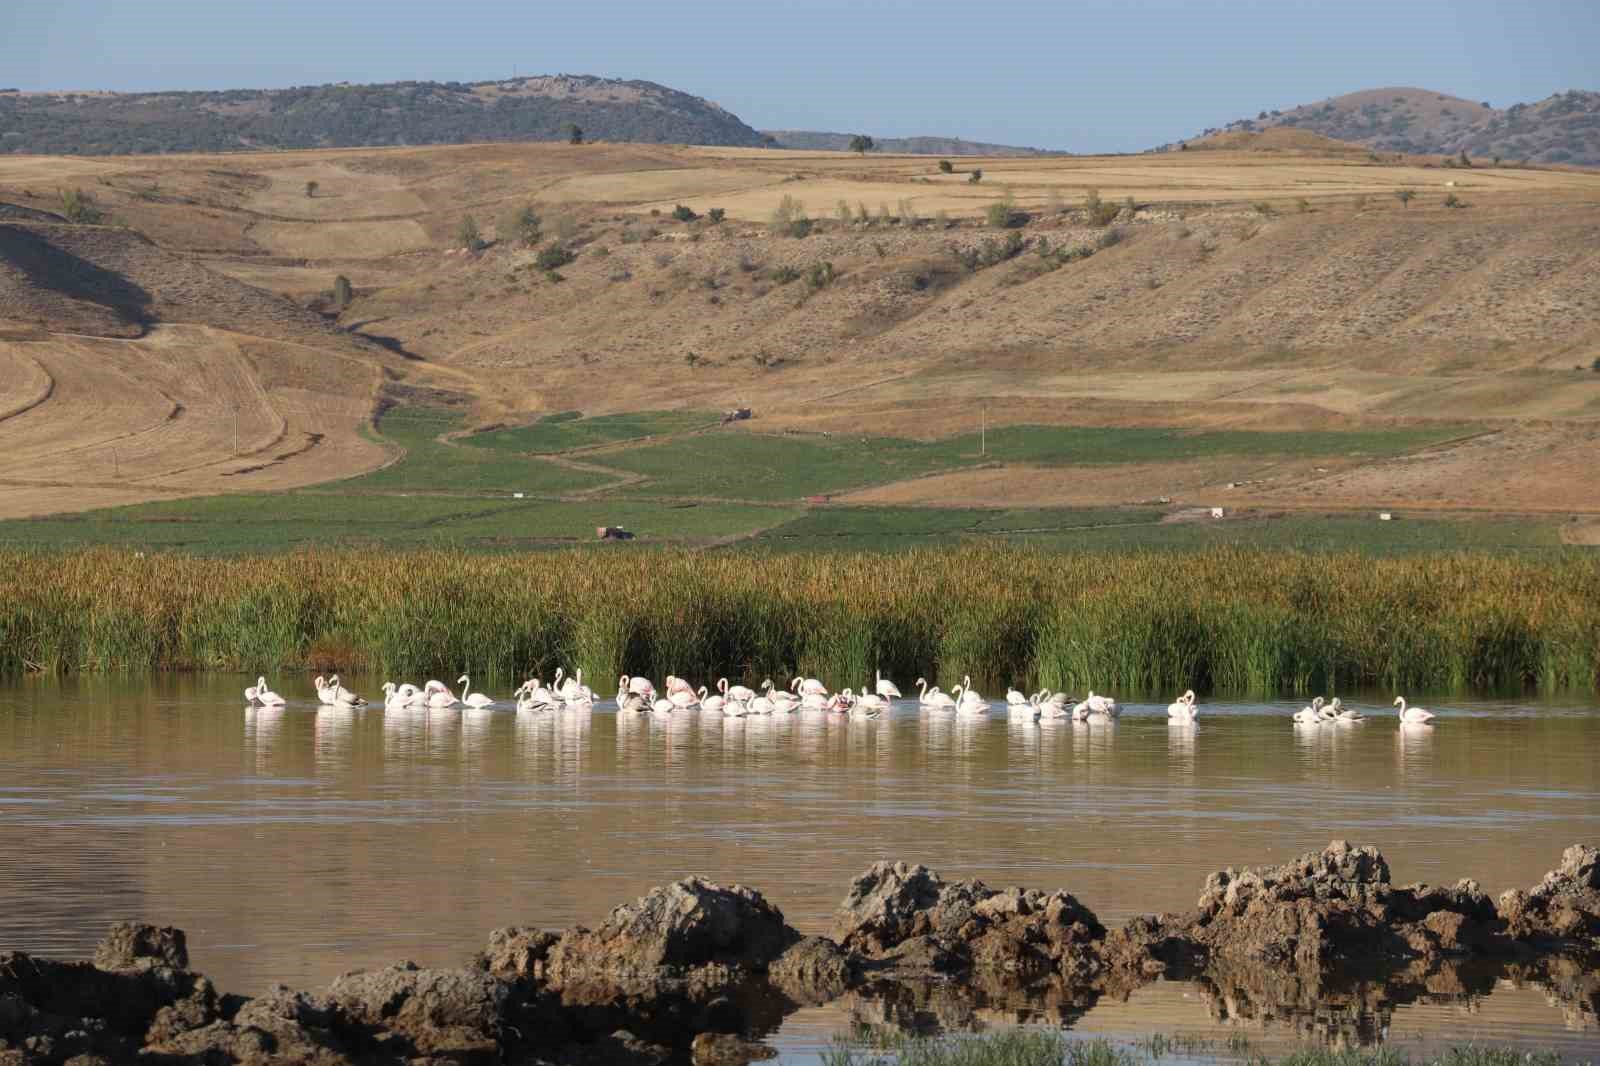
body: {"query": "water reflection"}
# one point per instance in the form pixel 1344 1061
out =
pixel 446 823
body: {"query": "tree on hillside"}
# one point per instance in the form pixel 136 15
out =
pixel 946 167
pixel 343 293
pixel 861 144
pixel 574 133
pixel 311 189
pixel 467 234
pixel 1404 196
pixel 975 177
pixel 78 206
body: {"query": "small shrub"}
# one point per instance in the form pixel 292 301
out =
pixel 1303 205
pixel 975 177
pixel 343 293
pixel 908 212
pixel 942 219
pixel 748 263
pixel 1098 211
pixel 783 275
pixel 600 251
pixel 1110 237
pixel 820 276
pixel 311 189
pixel 1452 200
pixel 1263 209
pixel 716 215
pixel 553 277
pixel 467 235
pixel 946 167
pixel 79 207
pixel 684 213
pixel 664 259
pixel 789 218
pixel 842 210
pixel 520 224
pixel 566 227
pixel 862 215
pixel 1129 206
pixel 861 144
pixel 620 275
pixel 999 214
pixel 551 256
pixel 1404 196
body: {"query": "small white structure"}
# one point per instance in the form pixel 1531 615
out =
pixel 1216 512
pixel 1385 516
pixel 516 495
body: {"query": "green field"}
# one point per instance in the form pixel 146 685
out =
pixel 430 465
pixel 569 429
pixel 737 486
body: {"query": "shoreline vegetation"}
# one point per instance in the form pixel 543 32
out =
pixel 1230 620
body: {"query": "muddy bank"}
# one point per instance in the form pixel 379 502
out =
pixel 696 971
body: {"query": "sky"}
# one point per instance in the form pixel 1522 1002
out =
pixel 1078 75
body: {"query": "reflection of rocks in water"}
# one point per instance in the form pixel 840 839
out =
pixel 1334 1007
pixel 925 1008
pixel 1568 985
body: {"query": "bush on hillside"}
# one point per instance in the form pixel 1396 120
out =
pixel 553 255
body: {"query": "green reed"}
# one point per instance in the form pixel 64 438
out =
pixel 1223 619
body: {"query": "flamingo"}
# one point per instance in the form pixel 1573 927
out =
pixel 783 701
pixel 678 684
pixel 1331 711
pixel 639 686
pixel 736 693
pixel 476 700
pixel 1030 709
pixel 808 686
pixel 1092 704
pixel 343 695
pixel 761 705
pixel 263 695
pixel 682 698
pixel 1413 715
pixel 533 696
pixel 1183 709
pixel 572 690
pixel 873 703
pixel 932 697
pixel 631 703
pixel 663 706
pixel 1052 706
pixel 325 691
pixel 439 694
pixel 711 703
pixel 814 701
pixel 887 689
pixel 1307 716
pixel 1016 699
pixel 1348 715
pixel 969 702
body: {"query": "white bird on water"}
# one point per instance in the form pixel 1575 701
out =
pixel 1104 706
pixel 1413 715
pixel 1311 715
pixel 1183 709
pixel 475 700
pixel 887 689
pixel 932 697
pixel 260 693
pixel 343 696
pixel 439 694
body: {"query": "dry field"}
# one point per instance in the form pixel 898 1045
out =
pixel 1267 289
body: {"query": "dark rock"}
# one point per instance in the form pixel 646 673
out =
pixel 913 917
pixel 440 1012
pixel 621 1048
pixel 134 945
pixel 515 952
pixel 1563 910
pixel 674 929
pixel 725 1049
pixel 813 971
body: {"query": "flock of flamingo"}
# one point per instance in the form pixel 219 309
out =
pixel 638 695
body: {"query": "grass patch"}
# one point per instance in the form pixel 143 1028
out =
pixel 430 465
pixel 242 525
pixel 757 466
pixel 1322 533
pixel 569 429
pixel 898 528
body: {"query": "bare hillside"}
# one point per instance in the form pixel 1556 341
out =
pixel 1564 128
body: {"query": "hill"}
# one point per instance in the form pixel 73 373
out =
pixel 1565 128
pixel 814 140
pixel 1270 328
pixel 343 115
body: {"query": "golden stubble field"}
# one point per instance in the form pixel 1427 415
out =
pixel 1267 289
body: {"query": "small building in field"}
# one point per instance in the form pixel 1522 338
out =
pixel 612 533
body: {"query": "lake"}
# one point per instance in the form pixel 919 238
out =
pixel 295 844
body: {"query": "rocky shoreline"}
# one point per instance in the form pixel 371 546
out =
pixel 695 971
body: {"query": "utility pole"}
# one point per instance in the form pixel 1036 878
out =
pixel 236 430
pixel 983 433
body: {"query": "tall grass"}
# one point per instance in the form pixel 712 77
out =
pixel 1231 620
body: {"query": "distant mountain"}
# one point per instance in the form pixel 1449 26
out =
pixel 1564 128
pixel 411 112
pixel 813 140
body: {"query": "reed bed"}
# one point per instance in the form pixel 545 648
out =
pixel 1238 621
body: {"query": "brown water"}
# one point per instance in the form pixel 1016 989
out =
pixel 293 845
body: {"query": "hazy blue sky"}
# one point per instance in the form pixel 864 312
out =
pixel 1075 74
